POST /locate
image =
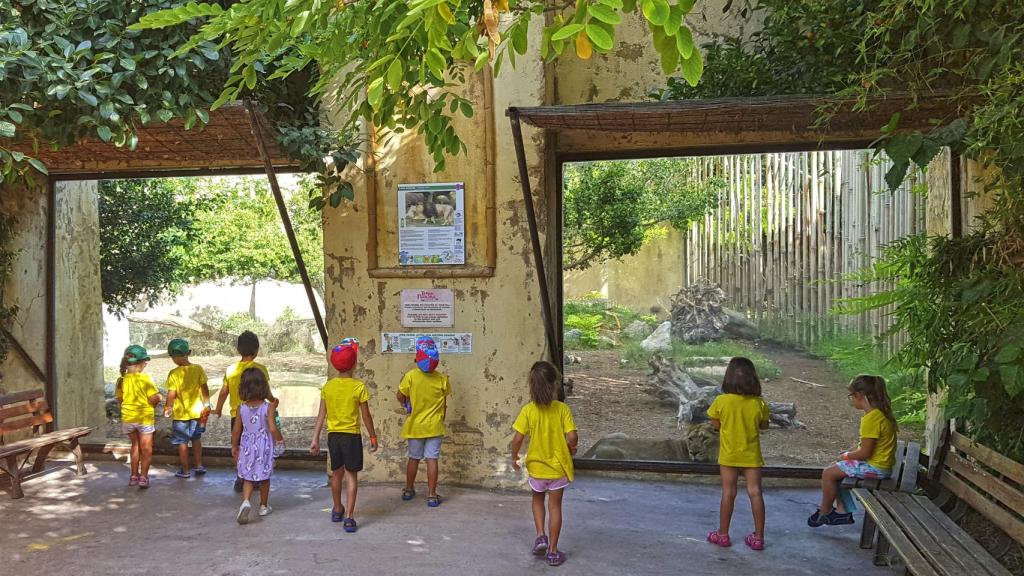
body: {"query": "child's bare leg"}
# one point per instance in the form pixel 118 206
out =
pixel 135 464
pixel 247 487
pixel 753 476
pixel 830 479
pixel 183 457
pixel 197 452
pixel 336 488
pixel 145 453
pixel 554 519
pixel 728 475
pixel 432 476
pixel 538 512
pixel 351 489
pixel 264 492
pixel 411 468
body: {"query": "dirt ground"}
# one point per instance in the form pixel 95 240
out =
pixel 609 398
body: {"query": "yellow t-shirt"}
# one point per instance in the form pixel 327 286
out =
pixel 426 392
pixel 342 397
pixel 740 434
pixel 874 424
pixel 233 378
pixel 548 456
pixel 135 392
pixel 187 384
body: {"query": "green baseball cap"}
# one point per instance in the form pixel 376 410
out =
pixel 178 347
pixel 135 354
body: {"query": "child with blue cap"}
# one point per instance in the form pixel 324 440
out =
pixel 424 391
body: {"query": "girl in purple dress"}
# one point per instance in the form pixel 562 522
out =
pixel 252 440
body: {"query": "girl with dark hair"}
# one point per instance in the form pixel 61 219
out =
pixel 739 414
pixel 874 457
pixel 553 439
pixel 252 440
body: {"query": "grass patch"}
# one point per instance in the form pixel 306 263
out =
pixel 598 322
pixel 852 355
pixel 694 355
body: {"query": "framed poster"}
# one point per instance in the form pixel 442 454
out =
pixel 431 224
pixel 447 342
pixel 428 308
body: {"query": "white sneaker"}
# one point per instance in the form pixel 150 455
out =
pixel 243 512
pixel 265 510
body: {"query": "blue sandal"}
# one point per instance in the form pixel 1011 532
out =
pixel 408 494
pixel 338 516
pixel 434 501
pixel 350 525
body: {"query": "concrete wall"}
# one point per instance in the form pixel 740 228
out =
pixel 79 384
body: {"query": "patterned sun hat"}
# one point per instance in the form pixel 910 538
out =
pixel 343 356
pixel 427 356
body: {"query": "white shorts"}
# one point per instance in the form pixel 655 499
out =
pixel 130 427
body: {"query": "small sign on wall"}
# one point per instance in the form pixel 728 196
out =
pixel 428 308
pixel 447 342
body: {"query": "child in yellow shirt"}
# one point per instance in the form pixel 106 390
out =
pixel 553 439
pixel 343 400
pixel 248 346
pixel 874 457
pixel 188 403
pixel 424 392
pixel 739 414
pixel 138 396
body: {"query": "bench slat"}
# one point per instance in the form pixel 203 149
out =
pixel 1006 521
pixel 915 562
pixel 932 540
pixel 961 538
pixel 989 457
pixel 892 482
pixel 29 407
pixel 21 397
pixel 1013 499
pixel 35 442
pixel 22 423
pixel 908 483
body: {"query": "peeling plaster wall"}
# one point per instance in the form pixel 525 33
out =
pixel 502 312
pixel 79 386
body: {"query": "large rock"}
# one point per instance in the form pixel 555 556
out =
pixel 660 340
pixel 637 329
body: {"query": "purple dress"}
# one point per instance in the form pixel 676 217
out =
pixel 256 448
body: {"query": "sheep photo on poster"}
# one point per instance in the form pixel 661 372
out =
pixel 431 224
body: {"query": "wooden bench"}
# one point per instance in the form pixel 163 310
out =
pixel 927 539
pixel 29 410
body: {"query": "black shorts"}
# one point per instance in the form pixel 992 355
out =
pixel 345 450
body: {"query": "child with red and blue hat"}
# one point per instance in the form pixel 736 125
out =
pixel 424 391
pixel 343 403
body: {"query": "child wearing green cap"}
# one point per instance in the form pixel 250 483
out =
pixel 188 401
pixel 138 396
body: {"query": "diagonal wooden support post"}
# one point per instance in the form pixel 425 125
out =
pixel 257 132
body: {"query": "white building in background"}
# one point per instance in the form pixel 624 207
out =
pixel 271 300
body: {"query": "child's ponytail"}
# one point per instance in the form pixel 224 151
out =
pixel 873 388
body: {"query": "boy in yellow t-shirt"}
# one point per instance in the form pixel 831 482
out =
pixel 188 403
pixel 138 397
pixel 739 414
pixel 424 392
pixel 343 400
pixel 248 346
pixel 553 439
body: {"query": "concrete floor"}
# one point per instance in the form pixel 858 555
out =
pixel 97 525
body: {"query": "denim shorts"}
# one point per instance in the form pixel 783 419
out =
pixel 429 448
pixel 129 427
pixel 185 431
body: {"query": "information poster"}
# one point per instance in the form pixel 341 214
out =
pixel 447 342
pixel 431 224
pixel 428 308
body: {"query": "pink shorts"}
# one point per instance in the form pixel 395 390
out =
pixel 542 485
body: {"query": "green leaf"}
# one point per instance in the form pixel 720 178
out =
pixel 902 147
pixel 39 166
pixel 249 77
pixel 669 59
pixel 375 93
pixel 567 31
pixel 395 75
pixel 165 115
pixel 83 46
pixel 7 130
pixel 1013 379
pixel 892 124
pixel 127 63
pixel 656 11
pixel 613 4
pixel 675 21
pixel 693 68
pixel 436 62
pixel 345 188
pixel 600 37
pixel 897 172
pixel 14 115
pixel 88 98
pixel 175 16
pixel 466 108
pixel 299 24
pixel 926 153
pixel 1008 354
pixel 104 133
pixel 604 14
pixel 684 42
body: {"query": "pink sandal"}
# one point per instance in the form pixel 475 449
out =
pixel 133 480
pixel 719 539
pixel 143 482
pixel 753 542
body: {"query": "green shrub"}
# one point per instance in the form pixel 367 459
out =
pixel 589 326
